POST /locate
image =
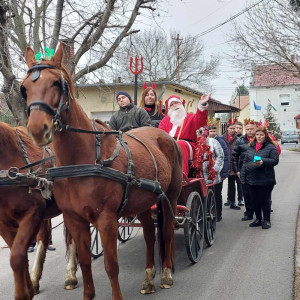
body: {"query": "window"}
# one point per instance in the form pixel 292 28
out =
pixel 285 99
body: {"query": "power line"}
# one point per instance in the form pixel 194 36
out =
pixel 223 23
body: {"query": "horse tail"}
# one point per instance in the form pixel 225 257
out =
pixel 160 235
pixel 68 242
pixel 160 232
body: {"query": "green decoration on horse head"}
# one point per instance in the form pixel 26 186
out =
pixel 48 54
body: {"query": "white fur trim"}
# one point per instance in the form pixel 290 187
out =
pixel 202 107
pixel 173 100
pixel 173 130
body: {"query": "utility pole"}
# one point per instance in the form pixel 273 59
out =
pixel 178 64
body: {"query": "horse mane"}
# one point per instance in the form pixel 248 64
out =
pixel 102 124
pixel 8 137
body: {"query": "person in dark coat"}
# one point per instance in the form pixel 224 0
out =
pixel 212 133
pixel 149 102
pixel 238 155
pixel 128 116
pixel 239 128
pixel 258 172
pixel 230 139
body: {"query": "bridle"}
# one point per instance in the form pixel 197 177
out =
pixel 41 105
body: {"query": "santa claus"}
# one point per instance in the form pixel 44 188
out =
pixel 182 125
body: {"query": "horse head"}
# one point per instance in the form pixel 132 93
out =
pixel 48 93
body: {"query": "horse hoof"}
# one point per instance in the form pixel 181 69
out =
pixel 36 290
pixel 166 286
pixel 145 292
pixel 70 286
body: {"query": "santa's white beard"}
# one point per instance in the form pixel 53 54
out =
pixel 177 115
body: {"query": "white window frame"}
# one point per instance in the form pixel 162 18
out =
pixel 285 100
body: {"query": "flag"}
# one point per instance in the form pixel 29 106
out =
pixel 257 107
pixel 270 103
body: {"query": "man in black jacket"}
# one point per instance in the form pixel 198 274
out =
pixel 238 155
pixel 129 116
pixel 230 139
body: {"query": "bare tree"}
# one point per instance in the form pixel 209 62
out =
pixel 159 52
pixel 95 28
pixel 269 35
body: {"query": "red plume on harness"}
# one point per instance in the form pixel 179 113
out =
pixel 145 85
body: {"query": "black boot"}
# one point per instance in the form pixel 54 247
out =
pixel 234 206
pixel 256 223
pixel 266 225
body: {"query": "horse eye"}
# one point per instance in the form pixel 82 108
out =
pixel 56 83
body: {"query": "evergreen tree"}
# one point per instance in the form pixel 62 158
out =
pixel 274 127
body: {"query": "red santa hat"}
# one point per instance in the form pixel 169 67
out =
pixel 173 98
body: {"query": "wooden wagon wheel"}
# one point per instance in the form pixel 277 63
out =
pixel 124 232
pixel 194 228
pixel 96 245
pixel 211 217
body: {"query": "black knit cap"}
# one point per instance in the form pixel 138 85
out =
pixel 123 93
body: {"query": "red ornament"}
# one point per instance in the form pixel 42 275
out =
pixel 202 154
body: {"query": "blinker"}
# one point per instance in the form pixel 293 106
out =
pixel 35 75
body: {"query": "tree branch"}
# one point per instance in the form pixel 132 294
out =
pixel 57 24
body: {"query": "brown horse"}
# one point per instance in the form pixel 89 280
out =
pixel 83 200
pixel 23 214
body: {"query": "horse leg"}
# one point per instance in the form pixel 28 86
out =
pixel 168 242
pixel 7 234
pixel 71 279
pixel 108 228
pixel 42 241
pixel 28 228
pixel 80 231
pixel 149 236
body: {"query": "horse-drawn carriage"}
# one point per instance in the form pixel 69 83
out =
pixel 131 173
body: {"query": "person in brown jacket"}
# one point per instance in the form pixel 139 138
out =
pixel 230 139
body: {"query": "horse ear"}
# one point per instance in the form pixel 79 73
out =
pixel 29 57
pixel 58 56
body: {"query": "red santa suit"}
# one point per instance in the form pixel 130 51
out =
pixel 188 137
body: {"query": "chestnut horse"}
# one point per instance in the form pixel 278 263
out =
pixel 97 200
pixel 23 214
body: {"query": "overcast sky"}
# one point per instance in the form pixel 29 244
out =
pixel 195 16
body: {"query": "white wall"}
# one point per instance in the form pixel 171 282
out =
pixel 285 113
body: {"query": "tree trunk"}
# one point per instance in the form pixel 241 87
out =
pixel 10 87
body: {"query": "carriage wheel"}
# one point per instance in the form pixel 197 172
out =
pixel 194 228
pixel 124 232
pixel 96 246
pixel 211 218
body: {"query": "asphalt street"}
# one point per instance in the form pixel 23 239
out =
pixel 244 263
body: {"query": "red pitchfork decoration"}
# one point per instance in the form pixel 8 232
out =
pixel 135 71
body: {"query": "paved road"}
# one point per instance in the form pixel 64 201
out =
pixel 244 263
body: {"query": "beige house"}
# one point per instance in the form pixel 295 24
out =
pixel 99 100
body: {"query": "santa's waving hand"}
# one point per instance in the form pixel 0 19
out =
pixel 182 125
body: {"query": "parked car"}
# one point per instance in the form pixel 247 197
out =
pixel 289 136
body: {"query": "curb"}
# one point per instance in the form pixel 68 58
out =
pixel 297 261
